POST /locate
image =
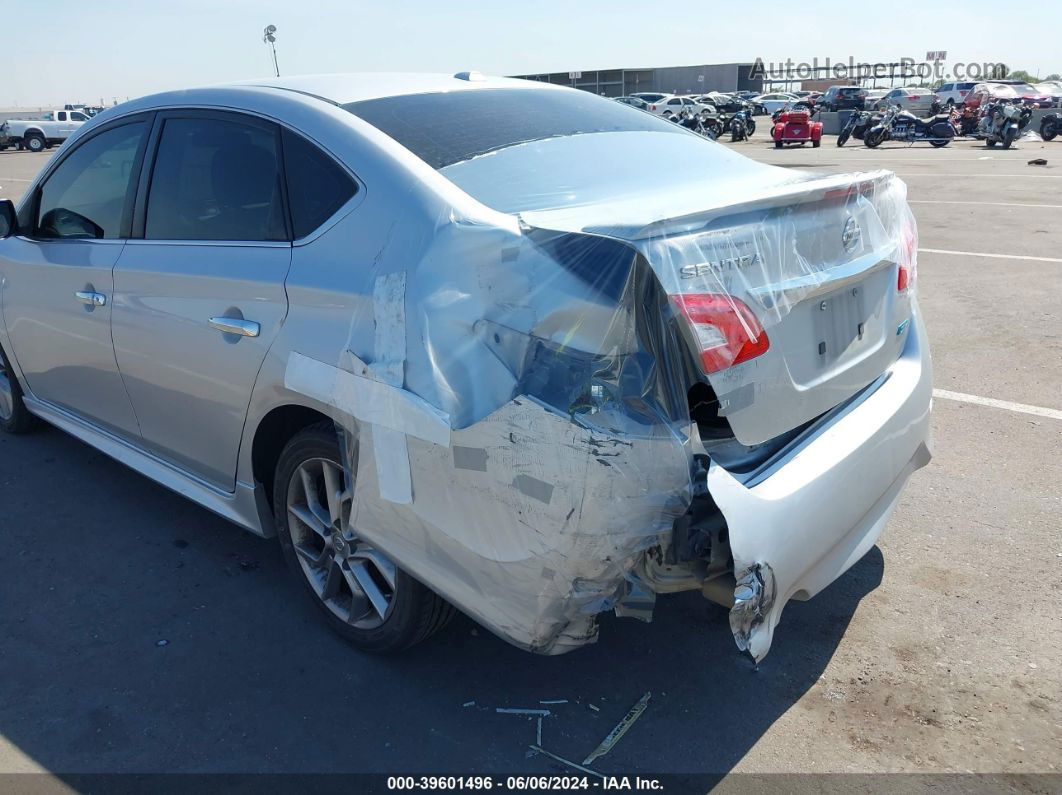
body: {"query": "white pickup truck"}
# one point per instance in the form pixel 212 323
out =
pixel 38 134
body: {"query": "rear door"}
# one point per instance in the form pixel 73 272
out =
pixel 199 290
pixel 57 281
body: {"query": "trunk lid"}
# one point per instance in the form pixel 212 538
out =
pixel 815 258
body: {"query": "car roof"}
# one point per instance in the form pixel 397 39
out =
pixel 359 86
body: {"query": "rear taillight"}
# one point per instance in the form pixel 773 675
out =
pixel 652 107
pixel 907 271
pixel 725 330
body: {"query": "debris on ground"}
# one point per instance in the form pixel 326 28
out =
pixel 595 709
pixel 563 761
pixel 555 701
pixel 1038 161
pixel 620 729
pixel 469 704
pixel 545 713
pixel 161 643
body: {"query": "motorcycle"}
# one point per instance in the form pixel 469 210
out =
pixel 1050 126
pixel 1002 121
pixel 859 121
pixel 901 125
pixel 700 124
pixel 741 125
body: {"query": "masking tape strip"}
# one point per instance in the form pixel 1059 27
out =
pixel 367 400
pixel 391 454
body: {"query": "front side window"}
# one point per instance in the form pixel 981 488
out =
pixel 78 117
pixel 317 186
pixel 60 116
pixel 85 197
pixel 215 179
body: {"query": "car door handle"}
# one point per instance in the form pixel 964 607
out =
pixel 91 298
pixel 236 325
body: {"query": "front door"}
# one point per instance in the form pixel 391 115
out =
pixel 57 278
pixel 199 299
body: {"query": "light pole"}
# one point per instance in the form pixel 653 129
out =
pixel 271 39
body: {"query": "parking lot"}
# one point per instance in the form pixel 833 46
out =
pixel 939 652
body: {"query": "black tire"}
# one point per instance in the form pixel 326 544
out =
pixel 34 142
pixel 19 420
pixel 416 613
pixel 816 144
pixel 1008 137
pixel 873 138
pixel 777 144
pixel 842 139
pixel 938 144
pixel 1048 131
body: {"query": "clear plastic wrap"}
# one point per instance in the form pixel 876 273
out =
pixel 530 395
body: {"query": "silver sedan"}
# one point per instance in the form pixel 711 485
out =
pixel 476 342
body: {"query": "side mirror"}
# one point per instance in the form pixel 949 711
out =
pixel 64 223
pixel 8 219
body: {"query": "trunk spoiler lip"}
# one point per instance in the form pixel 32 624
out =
pixel 810 188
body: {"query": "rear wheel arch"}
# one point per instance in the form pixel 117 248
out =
pixel 276 428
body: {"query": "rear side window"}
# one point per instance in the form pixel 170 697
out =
pixel 86 196
pixel 317 186
pixel 446 128
pixel 215 179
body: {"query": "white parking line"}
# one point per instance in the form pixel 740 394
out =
pixel 15 179
pixel 983 254
pixel 988 204
pixel 1021 408
pixel 976 174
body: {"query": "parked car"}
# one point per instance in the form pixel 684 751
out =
pixel 1030 95
pixel 843 98
pixel 872 97
pixel 671 105
pixel 991 91
pixel 532 385
pixel 48 130
pixel 1052 90
pixel 776 101
pixel 634 102
pixel 723 103
pixel 919 101
pixel 951 94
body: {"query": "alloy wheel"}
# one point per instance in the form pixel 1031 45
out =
pixel 353 579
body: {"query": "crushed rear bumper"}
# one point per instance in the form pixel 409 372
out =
pixel 798 523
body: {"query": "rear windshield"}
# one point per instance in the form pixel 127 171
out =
pixel 849 91
pixel 446 128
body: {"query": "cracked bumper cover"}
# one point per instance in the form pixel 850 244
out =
pixel 819 508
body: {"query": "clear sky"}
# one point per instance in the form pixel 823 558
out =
pixel 58 51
